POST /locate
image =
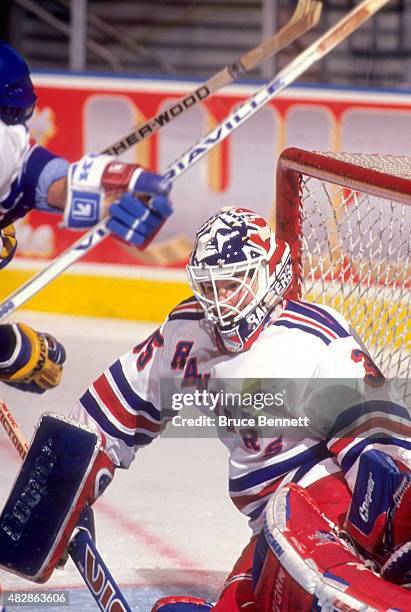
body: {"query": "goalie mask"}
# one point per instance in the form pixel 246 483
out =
pixel 238 271
pixel 17 97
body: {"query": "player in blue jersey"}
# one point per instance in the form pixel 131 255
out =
pixel 32 177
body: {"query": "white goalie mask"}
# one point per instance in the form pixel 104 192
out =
pixel 238 272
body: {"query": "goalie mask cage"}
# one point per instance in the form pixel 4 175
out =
pixel 347 218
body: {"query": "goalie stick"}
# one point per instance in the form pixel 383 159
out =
pixel 305 17
pixel 82 548
pixel 321 47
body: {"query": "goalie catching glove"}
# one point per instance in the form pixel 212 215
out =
pixel 35 360
pixel 139 198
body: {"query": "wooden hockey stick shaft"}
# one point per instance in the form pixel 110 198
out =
pixel 321 47
pixel 82 549
pixel 13 431
pixel 305 17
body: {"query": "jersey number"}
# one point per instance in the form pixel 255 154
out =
pixel 146 349
pixel 373 376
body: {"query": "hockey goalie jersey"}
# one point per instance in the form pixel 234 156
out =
pixel 306 358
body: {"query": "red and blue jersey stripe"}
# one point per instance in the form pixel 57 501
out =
pixel 188 309
pixel 372 423
pixel 251 492
pixel 312 319
pixel 119 410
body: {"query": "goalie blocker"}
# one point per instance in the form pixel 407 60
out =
pixel 66 467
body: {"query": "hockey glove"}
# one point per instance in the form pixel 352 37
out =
pixel 37 360
pixel 135 222
pixel 97 180
pixel 8 245
pixel 379 518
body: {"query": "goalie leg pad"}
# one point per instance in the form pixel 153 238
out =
pixel 301 562
pixel 55 481
pixel 238 593
pixel 177 603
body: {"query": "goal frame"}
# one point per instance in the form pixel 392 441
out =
pixel 294 162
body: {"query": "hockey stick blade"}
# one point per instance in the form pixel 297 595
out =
pixel 321 47
pixel 305 17
pixel 82 549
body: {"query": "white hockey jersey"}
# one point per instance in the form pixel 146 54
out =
pixel 13 149
pixel 302 346
pixel 26 172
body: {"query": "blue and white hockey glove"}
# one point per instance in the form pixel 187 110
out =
pixel 95 181
pixel 36 362
pixel 136 222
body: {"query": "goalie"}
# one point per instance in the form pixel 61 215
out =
pixel 330 510
pixel 350 469
pixel 32 177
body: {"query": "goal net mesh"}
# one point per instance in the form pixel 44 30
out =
pixel 350 226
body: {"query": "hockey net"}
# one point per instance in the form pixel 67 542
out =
pixel 347 218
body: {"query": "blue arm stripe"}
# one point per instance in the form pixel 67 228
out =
pixel 271 472
pixel 309 330
pixel 318 314
pixel 302 471
pixel 190 316
pixel 352 455
pixel 256 513
pixel 349 416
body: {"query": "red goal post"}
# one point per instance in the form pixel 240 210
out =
pixel 347 218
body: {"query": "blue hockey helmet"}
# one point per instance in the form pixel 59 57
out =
pixel 17 97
